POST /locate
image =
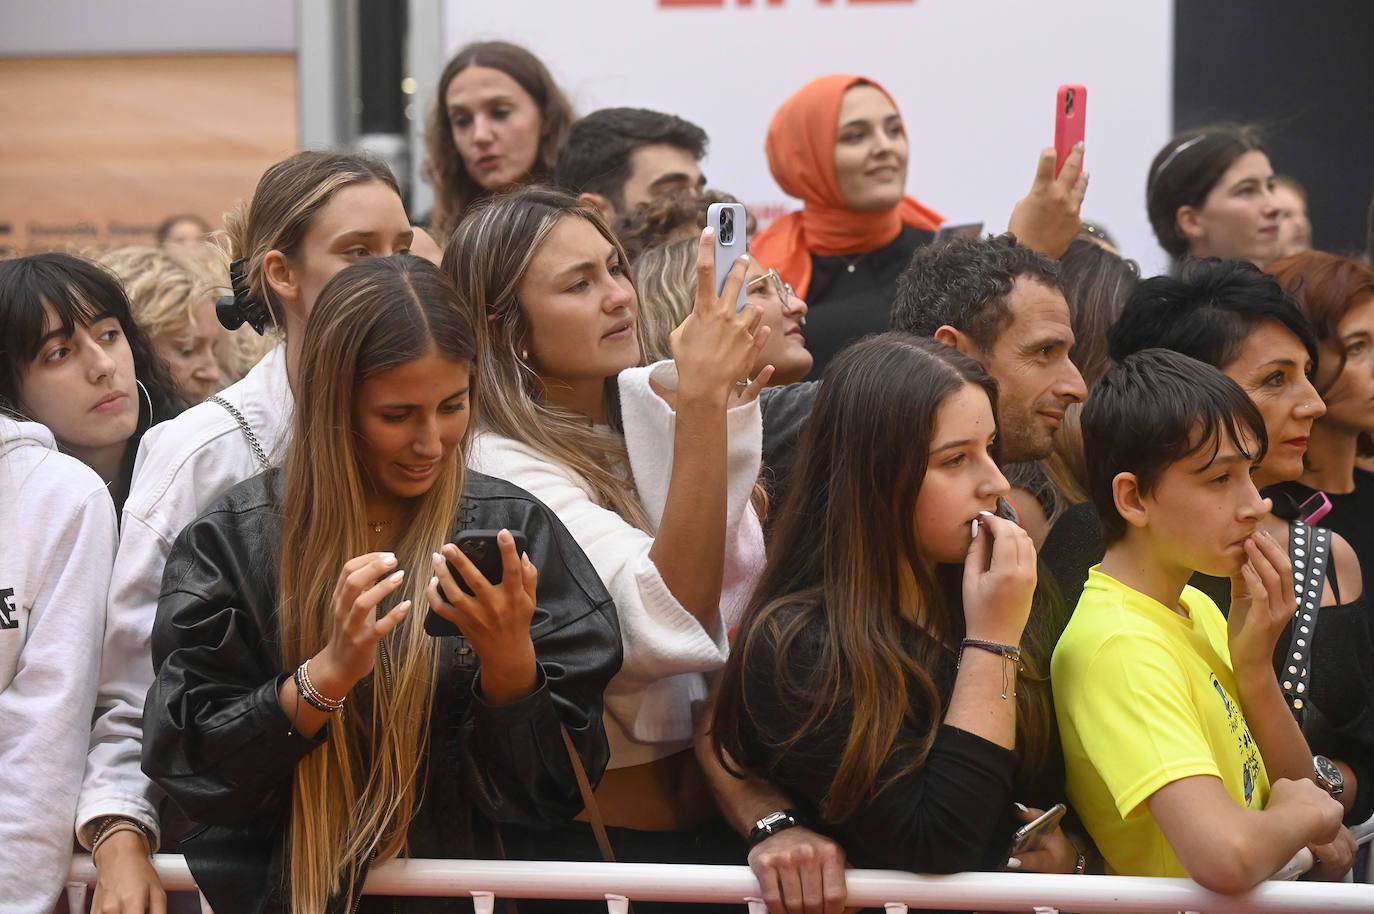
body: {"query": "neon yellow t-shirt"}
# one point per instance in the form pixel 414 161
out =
pixel 1145 697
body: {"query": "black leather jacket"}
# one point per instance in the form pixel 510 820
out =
pixel 216 738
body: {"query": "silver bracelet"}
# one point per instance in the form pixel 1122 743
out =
pixel 312 695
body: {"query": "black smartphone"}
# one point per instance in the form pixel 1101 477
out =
pixel 482 550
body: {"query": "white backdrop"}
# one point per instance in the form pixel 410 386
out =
pixel 975 81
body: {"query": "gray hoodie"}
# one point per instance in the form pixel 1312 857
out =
pixel 57 546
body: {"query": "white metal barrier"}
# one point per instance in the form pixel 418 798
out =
pixel 485 879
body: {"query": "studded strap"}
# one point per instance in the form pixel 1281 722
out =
pixel 1309 549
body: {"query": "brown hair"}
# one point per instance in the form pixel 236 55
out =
pixel 1186 170
pixel 1323 286
pixel 285 203
pixel 844 539
pixel 454 188
pixel 353 798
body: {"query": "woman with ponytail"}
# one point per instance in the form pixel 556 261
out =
pixel 302 714
pixel 310 216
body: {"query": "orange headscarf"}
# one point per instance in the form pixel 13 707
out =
pixel 801 155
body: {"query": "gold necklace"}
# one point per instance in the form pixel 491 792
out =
pixel 377 525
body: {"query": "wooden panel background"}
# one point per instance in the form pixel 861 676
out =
pixel 96 151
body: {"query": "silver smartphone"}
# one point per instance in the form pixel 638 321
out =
pixel 969 230
pixel 727 220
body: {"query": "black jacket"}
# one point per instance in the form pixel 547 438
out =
pixel 217 740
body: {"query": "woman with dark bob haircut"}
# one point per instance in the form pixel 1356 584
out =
pixel 1210 193
pixel 76 361
pixel 876 676
pixel 498 120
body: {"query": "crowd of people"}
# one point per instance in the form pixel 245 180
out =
pixel 347 534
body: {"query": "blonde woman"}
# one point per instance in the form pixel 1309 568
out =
pixel 291 599
pixel 177 310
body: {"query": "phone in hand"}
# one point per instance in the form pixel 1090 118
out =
pixel 1033 835
pixel 727 221
pixel 1070 116
pixel 482 549
pixel 970 230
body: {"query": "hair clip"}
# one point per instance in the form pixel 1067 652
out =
pixel 241 308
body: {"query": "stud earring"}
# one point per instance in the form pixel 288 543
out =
pixel 524 355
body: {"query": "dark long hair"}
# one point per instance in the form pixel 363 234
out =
pixel 79 292
pixel 845 536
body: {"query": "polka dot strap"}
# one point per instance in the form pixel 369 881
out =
pixel 1309 549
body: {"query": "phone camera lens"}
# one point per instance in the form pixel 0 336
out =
pixel 1068 102
pixel 727 226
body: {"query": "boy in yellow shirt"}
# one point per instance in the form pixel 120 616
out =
pixel 1182 757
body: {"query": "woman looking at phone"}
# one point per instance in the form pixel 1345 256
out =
pixel 651 471
pixel 293 596
pixel 310 216
pixel 77 363
pixel 1210 193
pixel 497 122
pixel 877 676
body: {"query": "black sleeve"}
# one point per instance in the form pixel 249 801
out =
pixel 215 736
pixel 785 410
pixel 948 815
pixel 1073 545
pixel 515 761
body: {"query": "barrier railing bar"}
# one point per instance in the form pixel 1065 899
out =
pixel 867 888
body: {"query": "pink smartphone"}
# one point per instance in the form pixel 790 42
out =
pixel 1314 509
pixel 1070 115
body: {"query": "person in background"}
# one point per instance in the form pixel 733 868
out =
pixel 1210 193
pixel 497 122
pixel 177 310
pixel 60 540
pixel 1295 231
pixel 185 230
pixel 311 215
pixel 78 363
pixel 1096 282
pixel 840 144
pixel 1337 296
pixel 617 159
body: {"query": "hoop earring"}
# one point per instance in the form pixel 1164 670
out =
pixel 147 399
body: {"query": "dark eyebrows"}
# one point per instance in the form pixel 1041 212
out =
pixel 950 445
pixel 1232 458
pixel 453 396
pixel 672 177
pixel 60 332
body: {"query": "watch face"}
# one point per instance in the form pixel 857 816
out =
pixel 1328 775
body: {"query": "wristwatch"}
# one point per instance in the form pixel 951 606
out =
pixel 1328 776
pixel 771 824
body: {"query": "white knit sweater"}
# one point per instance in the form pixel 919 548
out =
pixel 667 651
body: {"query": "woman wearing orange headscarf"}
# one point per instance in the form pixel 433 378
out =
pixel 839 144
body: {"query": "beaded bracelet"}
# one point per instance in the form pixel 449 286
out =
pixel 1005 651
pixel 109 825
pixel 312 695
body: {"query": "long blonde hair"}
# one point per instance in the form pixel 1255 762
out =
pixel 487 258
pixel 353 799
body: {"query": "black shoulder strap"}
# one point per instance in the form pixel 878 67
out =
pixel 1309 549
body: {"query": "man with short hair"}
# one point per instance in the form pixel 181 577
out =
pixel 615 159
pixel 999 302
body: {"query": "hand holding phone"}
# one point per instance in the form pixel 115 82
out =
pixel 727 220
pixel 483 551
pixel 1070 119
pixel 1033 835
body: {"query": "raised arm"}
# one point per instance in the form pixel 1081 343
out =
pixel 714 348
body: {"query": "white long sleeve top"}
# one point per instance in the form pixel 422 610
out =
pixel 59 545
pixel 183 466
pixel 667 650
